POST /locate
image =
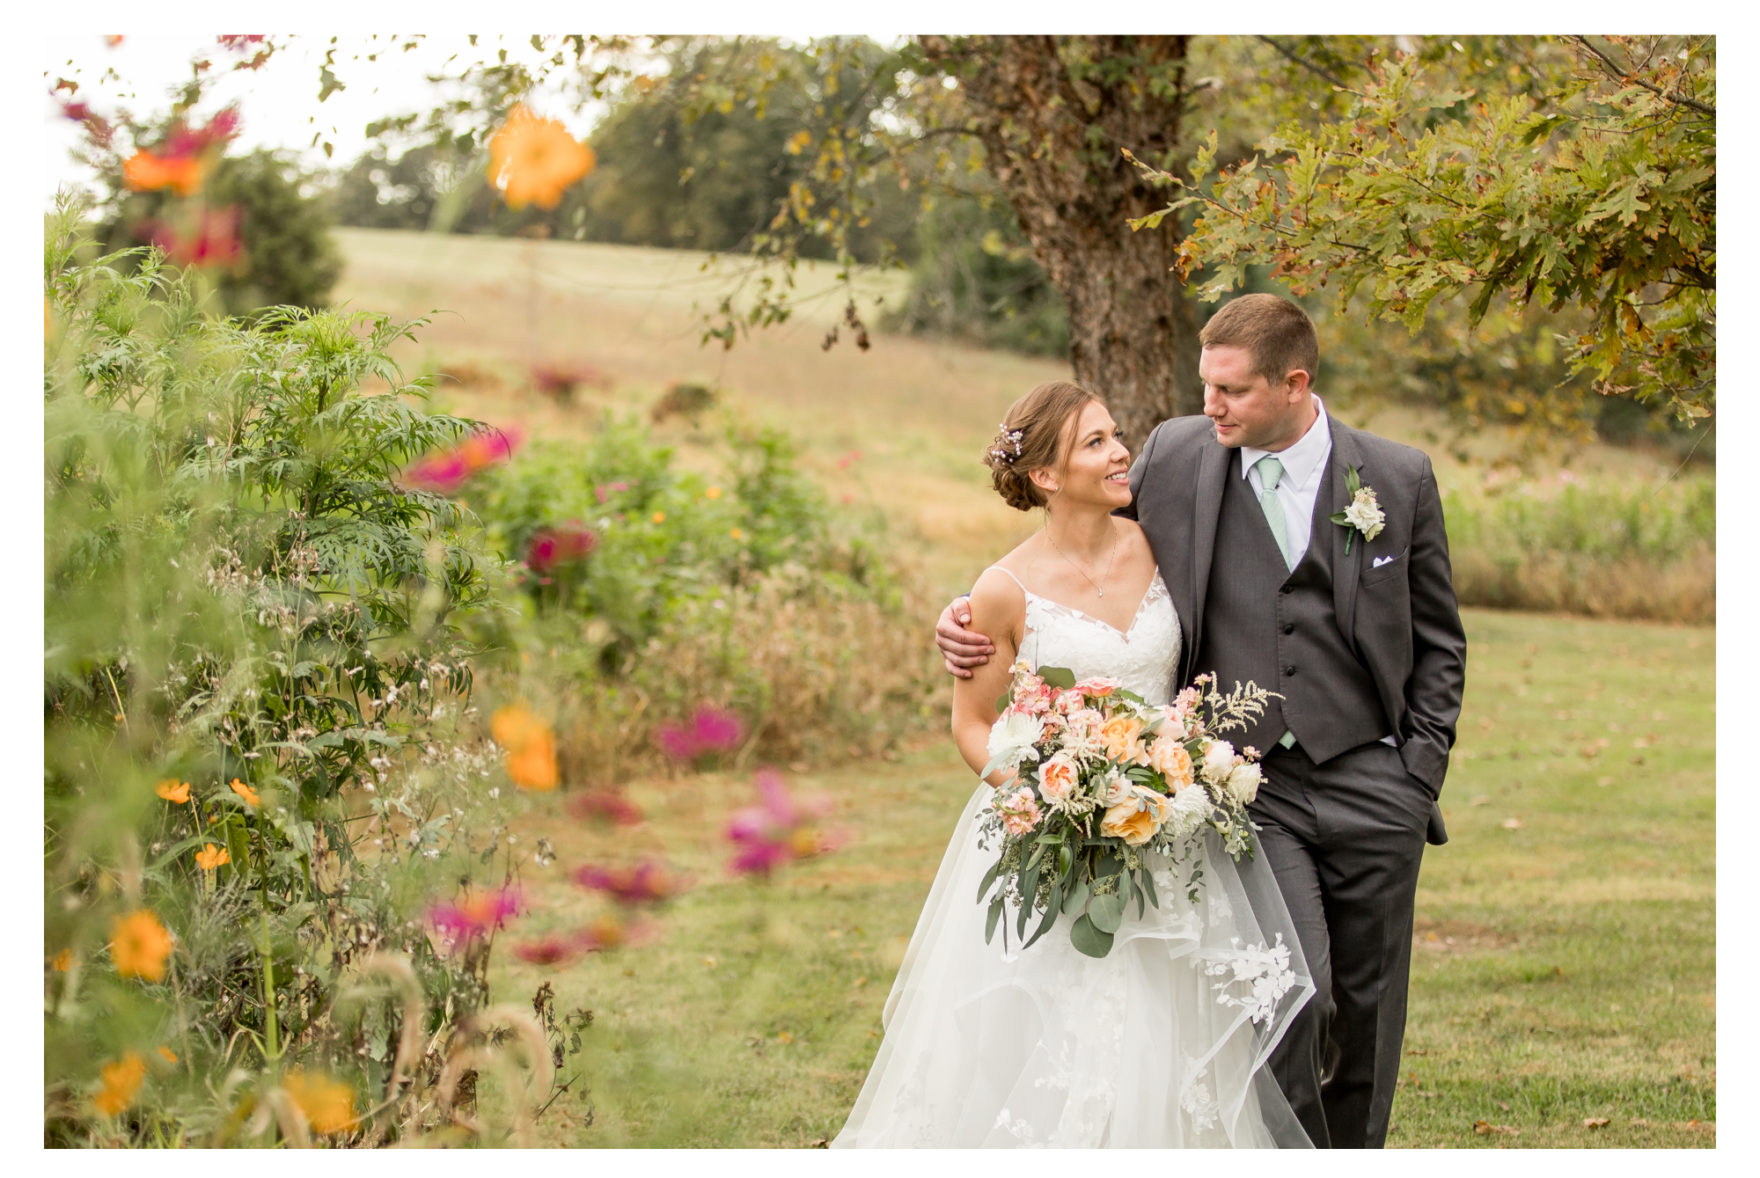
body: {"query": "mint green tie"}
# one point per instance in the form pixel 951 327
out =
pixel 1270 474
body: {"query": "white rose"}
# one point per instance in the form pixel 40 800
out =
pixel 1243 782
pixel 1218 761
pixel 1013 736
pixel 1364 514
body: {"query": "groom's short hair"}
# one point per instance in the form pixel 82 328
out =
pixel 1276 333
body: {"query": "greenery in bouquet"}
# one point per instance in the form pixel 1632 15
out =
pixel 1103 787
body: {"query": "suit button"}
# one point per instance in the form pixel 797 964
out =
pixel 1289 672
pixel 1289 628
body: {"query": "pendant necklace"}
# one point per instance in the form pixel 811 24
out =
pixel 1111 556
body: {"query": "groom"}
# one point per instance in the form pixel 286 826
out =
pixel 1355 624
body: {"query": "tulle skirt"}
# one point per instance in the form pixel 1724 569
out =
pixel 1162 1043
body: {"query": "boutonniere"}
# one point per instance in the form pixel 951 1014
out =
pixel 1363 515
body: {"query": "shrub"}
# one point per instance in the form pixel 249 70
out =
pixel 739 590
pixel 254 678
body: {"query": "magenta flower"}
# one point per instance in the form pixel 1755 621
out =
pixel 645 883
pixel 475 915
pixel 777 829
pixel 711 730
pixel 552 546
pixel 445 470
pixel 605 806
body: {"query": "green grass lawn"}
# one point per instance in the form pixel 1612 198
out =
pixel 1563 970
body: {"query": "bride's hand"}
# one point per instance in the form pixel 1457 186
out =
pixel 960 648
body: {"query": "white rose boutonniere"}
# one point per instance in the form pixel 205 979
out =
pixel 1364 514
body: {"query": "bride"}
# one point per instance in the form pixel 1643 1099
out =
pixel 1165 1041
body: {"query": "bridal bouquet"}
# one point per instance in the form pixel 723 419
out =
pixel 1101 779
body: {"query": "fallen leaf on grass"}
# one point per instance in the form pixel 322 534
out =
pixel 1595 1122
pixel 1512 823
pixel 1504 1105
pixel 1487 1129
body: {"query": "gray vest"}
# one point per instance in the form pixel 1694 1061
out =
pixel 1268 625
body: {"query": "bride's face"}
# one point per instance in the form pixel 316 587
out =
pixel 1096 468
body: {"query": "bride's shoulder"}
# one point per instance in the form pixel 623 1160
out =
pixel 1131 532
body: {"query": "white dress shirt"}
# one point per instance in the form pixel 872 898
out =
pixel 1304 471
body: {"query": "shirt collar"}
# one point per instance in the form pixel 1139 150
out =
pixel 1302 459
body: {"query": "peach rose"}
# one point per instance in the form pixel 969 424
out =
pixel 1120 733
pixel 1057 778
pixel 1168 757
pixel 1136 819
pixel 1099 686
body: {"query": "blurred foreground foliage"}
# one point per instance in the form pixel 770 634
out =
pixel 265 770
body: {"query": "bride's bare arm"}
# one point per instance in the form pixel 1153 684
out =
pixel 999 608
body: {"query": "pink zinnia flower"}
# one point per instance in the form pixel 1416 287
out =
pixel 444 470
pixel 777 830
pixel 712 730
pixel 474 915
pixel 605 806
pixel 646 882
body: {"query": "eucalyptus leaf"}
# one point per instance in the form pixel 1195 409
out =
pixel 1106 911
pixel 1088 939
pixel 1061 677
pixel 1076 896
pixel 989 878
pixel 992 918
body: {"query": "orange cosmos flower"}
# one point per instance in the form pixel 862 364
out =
pixel 122 1081
pixel 172 790
pixel 532 159
pixel 166 1054
pixel 211 857
pixel 62 961
pixel 328 1104
pixel 530 745
pixel 145 172
pixel 139 945
pixel 246 792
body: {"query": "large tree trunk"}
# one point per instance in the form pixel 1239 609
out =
pixel 1053 114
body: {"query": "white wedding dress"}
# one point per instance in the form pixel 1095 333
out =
pixel 1162 1043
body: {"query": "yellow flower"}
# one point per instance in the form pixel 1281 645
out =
pixel 122 1080
pixel 139 945
pixel 328 1104
pixel 62 961
pixel 659 517
pixel 246 792
pixel 530 745
pixel 211 857
pixel 798 142
pixel 166 1054
pixel 737 534
pixel 712 493
pixel 533 159
pixel 172 790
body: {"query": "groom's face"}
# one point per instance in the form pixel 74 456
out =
pixel 1247 409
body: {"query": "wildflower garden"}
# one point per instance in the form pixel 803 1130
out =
pixel 451 739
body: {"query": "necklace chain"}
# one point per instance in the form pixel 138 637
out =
pixel 1110 557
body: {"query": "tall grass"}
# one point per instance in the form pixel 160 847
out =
pixel 1601 548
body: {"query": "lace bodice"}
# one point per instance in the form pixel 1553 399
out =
pixel 1143 658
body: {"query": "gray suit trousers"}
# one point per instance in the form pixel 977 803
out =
pixel 1345 839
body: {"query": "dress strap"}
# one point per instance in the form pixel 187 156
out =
pixel 1011 577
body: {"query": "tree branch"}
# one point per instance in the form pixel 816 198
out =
pixel 1319 71
pixel 1615 69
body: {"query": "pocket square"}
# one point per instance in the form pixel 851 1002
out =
pixel 1379 561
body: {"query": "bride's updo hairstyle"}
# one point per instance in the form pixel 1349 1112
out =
pixel 1033 436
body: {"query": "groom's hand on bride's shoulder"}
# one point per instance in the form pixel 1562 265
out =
pixel 961 649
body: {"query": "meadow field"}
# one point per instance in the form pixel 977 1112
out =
pixel 1563 986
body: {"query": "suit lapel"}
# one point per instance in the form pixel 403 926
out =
pixel 1346 567
pixel 1215 461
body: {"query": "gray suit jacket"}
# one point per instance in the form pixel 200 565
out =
pixel 1400 617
